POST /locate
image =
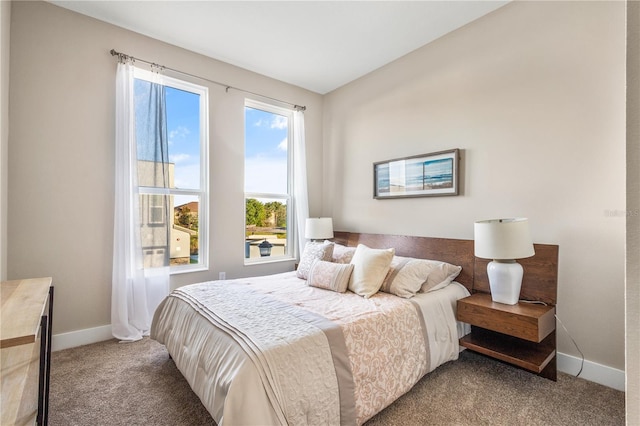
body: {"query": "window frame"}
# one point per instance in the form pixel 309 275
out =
pixel 203 192
pixel 289 254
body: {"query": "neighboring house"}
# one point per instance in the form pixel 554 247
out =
pixel 180 244
pixel 186 215
pixel 191 207
pixel 164 242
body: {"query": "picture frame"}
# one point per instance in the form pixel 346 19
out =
pixel 425 175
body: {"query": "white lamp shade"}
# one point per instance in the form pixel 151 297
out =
pixel 318 228
pixel 503 239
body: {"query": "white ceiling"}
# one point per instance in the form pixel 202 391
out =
pixel 317 45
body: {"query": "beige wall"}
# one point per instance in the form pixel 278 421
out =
pixel 5 26
pixel 61 169
pixel 534 95
pixel 633 220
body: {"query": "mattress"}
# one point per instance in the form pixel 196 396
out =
pixel 272 350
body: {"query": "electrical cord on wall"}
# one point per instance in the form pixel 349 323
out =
pixel 537 302
pixel 574 343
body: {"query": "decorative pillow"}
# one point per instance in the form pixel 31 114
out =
pixel 330 276
pixel 441 275
pixel 342 254
pixel 406 276
pixel 370 266
pixel 313 251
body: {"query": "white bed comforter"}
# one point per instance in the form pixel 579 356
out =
pixel 271 350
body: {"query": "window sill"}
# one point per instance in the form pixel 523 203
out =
pixel 259 261
pixel 178 270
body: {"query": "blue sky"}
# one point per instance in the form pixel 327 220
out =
pixel 265 152
pixel 183 126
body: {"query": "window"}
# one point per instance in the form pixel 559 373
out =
pixel 173 185
pixel 268 182
pixel 156 209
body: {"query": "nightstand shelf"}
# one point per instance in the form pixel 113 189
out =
pixel 522 335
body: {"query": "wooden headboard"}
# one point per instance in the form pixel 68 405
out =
pixel 540 280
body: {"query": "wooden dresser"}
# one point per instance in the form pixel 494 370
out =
pixel 25 350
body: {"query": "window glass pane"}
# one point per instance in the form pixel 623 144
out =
pixel 185 233
pixel 183 126
pixel 151 135
pixel 266 227
pixel 266 158
pixel 181 164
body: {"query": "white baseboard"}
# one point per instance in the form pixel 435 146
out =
pixel 569 364
pixel 80 337
pixel 592 371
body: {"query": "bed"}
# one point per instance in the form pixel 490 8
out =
pixel 280 350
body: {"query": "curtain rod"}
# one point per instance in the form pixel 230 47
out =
pixel 125 57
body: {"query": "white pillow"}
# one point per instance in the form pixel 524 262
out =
pixel 313 251
pixel 440 276
pixel 406 276
pixel 370 266
pixel 342 254
pixel 330 276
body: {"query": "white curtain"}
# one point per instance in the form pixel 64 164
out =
pixel 300 178
pixel 136 291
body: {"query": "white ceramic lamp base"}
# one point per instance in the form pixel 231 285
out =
pixel 505 280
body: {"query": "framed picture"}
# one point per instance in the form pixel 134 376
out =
pixel 426 175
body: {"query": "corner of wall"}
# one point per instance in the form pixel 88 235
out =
pixel 632 291
pixel 77 338
pixel 5 26
pixel 591 371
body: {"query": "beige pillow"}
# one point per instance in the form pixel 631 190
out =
pixel 330 276
pixel 342 254
pixel 440 276
pixel 406 276
pixel 370 266
pixel 313 251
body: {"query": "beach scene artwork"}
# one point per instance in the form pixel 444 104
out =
pixel 424 175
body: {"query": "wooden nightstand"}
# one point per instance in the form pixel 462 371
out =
pixel 522 335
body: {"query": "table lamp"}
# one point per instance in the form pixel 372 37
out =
pixel 503 241
pixel 318 228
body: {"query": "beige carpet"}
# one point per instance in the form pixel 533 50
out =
pixel 113 383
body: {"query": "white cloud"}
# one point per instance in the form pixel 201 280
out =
pixel 279 122
pixel 178 158
pixel 180 132
pixel 283 145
